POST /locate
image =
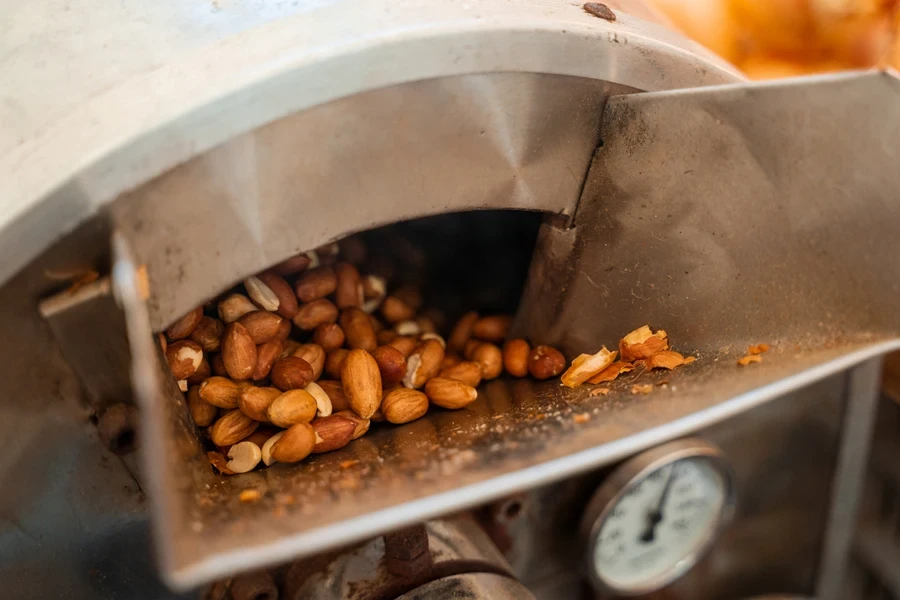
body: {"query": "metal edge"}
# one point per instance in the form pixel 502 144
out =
pixel 372 524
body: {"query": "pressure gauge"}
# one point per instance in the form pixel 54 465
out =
pixel 656 515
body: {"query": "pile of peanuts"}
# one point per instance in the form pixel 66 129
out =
pixel 299 359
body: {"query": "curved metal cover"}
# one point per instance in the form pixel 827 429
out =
pixel 77 131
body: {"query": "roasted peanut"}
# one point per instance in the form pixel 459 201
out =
pixel 231 428
pixel 208 333
pixel 287 300
pixel 403 405
pixel 294 444
pixel 184 326
pixel 291 372
pixel 349 290
pixel 261 294
pixel 332 433
pixel 238 351
pixel 329 335
pixel 266 355
pixel 462 331
pixel 450 393
pixel 202 412
pixel 493 328
pixel 334 361
pixel 292 407
pixel 391 364
pixel 261 325
pixel 515 357
pixel 314 355
pixel 255 401
pixel 361 381
pixel 220 392
pixel 184 358
pixel 315 284
pixel 546 362
pixel 309 316
pixel 468 372
pixel 489 358
pixel 395 310
pixel 235 306
pixel 358 330
pixel 423 364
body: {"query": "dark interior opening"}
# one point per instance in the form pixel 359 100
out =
pixel 462 261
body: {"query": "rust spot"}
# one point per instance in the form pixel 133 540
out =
pixel 600 10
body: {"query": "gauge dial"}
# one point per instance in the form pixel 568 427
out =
pixel 656 515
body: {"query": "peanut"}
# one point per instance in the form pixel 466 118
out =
pixel 287 300
pixel 335 391
pixel 255 401
pixel 231 428
pixel 462 331
pixel 391 364
pixel 238 351
pixel 291 372
pixel 468 372
pixel 361 381
pixel 266 355
pixel 220 392
pixel 490 358
pixel 493 328
pixel 334 361
pixel 184 358
pixel 332 433
pixel 235 306
pixel 208 333
pixel 292 407
pixel 314 355
pixel 423 364
pixel 515 357
pixel 349 290
pixel 261 325
pixel 184 326
pixel 261 294
pixel 545 362
pixel 315 283
pixel 404 405
pixel 450 393
pixel 294 444
pixel 358 330
pixel 202 412
pixel 395 310
pixel 309 316
pixel 329 335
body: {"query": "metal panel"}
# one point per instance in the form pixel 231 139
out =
pixel 514 140
pixel 79 131
pixel 739 213
pixel 520 434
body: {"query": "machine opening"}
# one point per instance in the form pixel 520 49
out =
pixel 281 354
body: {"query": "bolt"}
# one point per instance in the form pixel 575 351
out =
pixel 600 10
pixel 254 586
pixel 116 428
pixel 406 552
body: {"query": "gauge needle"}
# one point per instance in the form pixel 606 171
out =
pixel 656 516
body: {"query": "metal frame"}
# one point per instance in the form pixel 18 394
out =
pixel 863 394
pixel 617 484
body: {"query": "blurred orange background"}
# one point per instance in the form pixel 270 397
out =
pixel 781 38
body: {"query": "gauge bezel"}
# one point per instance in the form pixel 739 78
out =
pixel 630 473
